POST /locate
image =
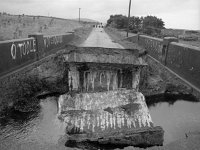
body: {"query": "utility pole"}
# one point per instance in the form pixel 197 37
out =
pixel 79 14
pixel 128 17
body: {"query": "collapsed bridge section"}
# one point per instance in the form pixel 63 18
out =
pixel 107 106
pixel 97 69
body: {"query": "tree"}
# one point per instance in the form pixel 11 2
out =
pixel 117 21
pixel 135 24
pixel 152 25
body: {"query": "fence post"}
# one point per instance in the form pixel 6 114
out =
pixel 165 48
pixel 39 44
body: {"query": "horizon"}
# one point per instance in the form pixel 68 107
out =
pixel 176 14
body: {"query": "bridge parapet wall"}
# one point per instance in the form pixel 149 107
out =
pixel 15 53
pixel 18 53
pixel 185 61
pixel 182 59
pixel 55 42
pixel 153 45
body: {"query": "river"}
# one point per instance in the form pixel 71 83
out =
pixel 36 130
pixel 43 130
pixel 178 119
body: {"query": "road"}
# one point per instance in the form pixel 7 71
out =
pixel 99 38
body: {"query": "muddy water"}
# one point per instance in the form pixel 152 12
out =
pixel 178 118
pixel 38 130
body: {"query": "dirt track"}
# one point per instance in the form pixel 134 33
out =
pixel 99 38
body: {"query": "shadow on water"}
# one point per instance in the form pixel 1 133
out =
pixel 153 100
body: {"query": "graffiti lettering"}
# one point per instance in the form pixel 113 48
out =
pixel 54 40
pixel 23 48
pixel 13 51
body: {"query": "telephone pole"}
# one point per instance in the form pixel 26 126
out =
pixel 79 14
pixel 128 17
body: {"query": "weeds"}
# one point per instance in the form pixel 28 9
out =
pixel 21 93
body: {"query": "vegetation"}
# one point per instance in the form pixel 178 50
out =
pixel 21 92
pixel 150 25
pixel 20 26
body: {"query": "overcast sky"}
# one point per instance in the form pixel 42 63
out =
pixel 184 14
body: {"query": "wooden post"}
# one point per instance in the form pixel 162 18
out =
pixel 79 14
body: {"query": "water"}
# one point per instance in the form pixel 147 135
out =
pixel 178 118
pixel 43 130
pixel 36 130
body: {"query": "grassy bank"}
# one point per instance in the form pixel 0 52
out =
pixel 21 90
pixel 16 27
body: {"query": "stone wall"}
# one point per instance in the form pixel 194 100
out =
pixel 180 59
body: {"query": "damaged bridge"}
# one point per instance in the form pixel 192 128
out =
pixel 104 104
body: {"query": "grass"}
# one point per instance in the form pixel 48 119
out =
pixel 184 34
pixel 15 27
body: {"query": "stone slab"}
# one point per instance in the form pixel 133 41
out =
pixel 108 116
pixel 103 55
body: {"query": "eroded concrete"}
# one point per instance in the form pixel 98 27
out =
pixel 104 103
pixel 115 114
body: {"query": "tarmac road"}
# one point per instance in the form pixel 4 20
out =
pixel 99 38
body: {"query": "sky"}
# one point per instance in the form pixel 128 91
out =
pixel 179 14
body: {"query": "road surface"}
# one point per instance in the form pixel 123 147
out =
pixel 99 38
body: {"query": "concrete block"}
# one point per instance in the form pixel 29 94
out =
pixel 114 117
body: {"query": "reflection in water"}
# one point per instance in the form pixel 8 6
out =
pixel 175 115
pixel 35 130
pixel 153 100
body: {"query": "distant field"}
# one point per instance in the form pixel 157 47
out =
pixel 190 37
pixel 193 43
pixel 15 27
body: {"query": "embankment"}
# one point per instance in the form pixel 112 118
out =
pixel 20 26
pixel 174 62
